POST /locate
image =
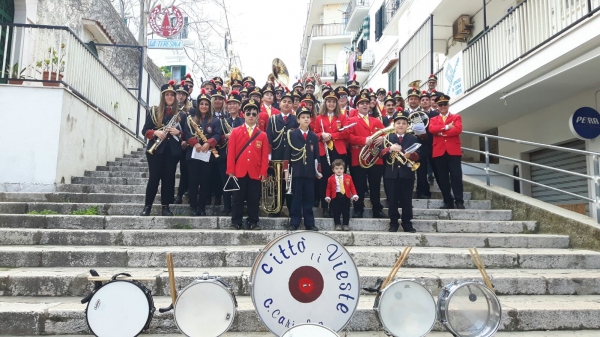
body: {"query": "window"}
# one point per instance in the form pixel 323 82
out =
pixel 379 22
pixel 178 73
pixel 392 80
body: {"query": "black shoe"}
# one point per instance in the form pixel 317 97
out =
pixel 292 228
pixel 234 227
pixel 200 212
pixel 346 228
pixel 338 228
pixel 326 213
pixel 313 228
pixel 357 215
pixel 275 215
pixel 166 211
pixel 420 196
pixel 447 206
pixel 226 211
pixel 245 225
pixel 408 228
pixel 147 210
pixel 393 228
pixel 460 205
pixel 178 200
pixel 255 227
pixel 379 215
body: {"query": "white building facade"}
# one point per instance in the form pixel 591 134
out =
pixel 517 69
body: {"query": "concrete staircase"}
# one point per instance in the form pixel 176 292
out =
pixel 45 258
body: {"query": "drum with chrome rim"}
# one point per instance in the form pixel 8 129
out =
pixel 304 277
pixel 119 308
pixel 206 308
pixel 469 309
pixel 310 330
pixel 406 309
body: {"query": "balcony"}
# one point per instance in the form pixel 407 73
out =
pixel 322 34
pixel 392 15
pixel 327 72
pixel 355 14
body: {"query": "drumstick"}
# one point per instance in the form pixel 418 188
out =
pixel 132 278
pixel 172 278
pixel 481 267
pixel 403 256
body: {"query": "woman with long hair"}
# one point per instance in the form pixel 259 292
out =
pixel 208 128
pixel 331 141
pixel 163 130
pixel 184 105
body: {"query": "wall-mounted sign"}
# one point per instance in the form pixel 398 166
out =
pixel 165 44
pixel 453 76
pixel 166 21
pixel 585 123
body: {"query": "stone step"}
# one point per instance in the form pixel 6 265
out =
pixel 136 222
pixel 133 209
pixel 556 333
pixel 65 315
pixel 139 198
pixel 106 174
pixel 223 237
pixel 244 256
pixel 73 281
pixel 127 163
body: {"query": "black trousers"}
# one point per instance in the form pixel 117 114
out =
pixel 400 197
pixel 222 168
pixel 184 176
pixel 422 182
pixel 449 175
pixel 327 172
pixel 249 192
pixel 216 182
pixel 162 167
pixel 302 202
pixel 200 176
pixel 373 176
pixel 340 205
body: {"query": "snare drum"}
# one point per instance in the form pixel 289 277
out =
pixel 310 330
pixel 304 277
pixel 120 308
pixel 469 309
pixel 205 308
pixel 406 308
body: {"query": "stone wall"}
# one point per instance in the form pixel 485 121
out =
pixel 123 62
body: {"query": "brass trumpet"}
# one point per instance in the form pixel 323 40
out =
pixel 401 158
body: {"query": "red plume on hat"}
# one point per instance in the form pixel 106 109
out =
pixel 212 81
pixel 299 81
pixel 287 90
pixel 219 88
pixel 397 91
pixel 414 88
pixel 302 105
pixel 188 75
pixel 182 83
pixel 247 84
pixel 433 90
pixel 424 92
pixel 389 93
pixel 399 109
pixel 354 77
pixel 371 89
pixel 203 91
pixel 171 82
pixel 234 92
pixel 431 75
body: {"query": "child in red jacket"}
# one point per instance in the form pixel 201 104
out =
pixel 340 189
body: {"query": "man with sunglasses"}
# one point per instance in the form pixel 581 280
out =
pixel 247 162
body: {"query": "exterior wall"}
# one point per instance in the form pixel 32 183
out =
pixel 331 52
pixel 67 137
pixel 333 13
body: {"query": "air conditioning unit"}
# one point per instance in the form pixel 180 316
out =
pixel 368 59
pixel 461 29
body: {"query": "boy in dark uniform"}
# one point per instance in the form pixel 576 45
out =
pixel 302 159
pixel 398 176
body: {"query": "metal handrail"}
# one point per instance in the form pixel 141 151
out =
pixel 595 178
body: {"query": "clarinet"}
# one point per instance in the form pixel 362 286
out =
pixel 200 135
pixel 158 141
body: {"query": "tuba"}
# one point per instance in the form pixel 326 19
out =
pixel 415 84
pixel 369 154
pixel 279 73
pixel 272 193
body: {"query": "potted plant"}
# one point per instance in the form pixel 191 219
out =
pixel 53 67
pixel 15 76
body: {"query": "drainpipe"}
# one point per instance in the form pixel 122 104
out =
pixel 485 26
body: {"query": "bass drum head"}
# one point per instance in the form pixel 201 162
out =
pixel 304 277
pixel 473 310
pixel 407 309
pixel 310 330
pixel 204 308
pixel 118 309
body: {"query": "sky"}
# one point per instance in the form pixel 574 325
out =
pixel 267 29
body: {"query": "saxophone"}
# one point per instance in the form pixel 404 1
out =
pixel 158 141
pixel 200 135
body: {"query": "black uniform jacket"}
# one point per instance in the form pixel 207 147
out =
pixel 302 167
pixel 173 142
pixel 211 130
pixel 277 134
pixel 398 170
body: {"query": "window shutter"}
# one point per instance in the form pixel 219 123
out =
pixel 366 28
pixel 183 72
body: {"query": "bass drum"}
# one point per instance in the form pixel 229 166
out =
pixel 310 330
pixel 469 309
pixel 304 277
pixel 205 308
pixel 120 308
pixel 406 309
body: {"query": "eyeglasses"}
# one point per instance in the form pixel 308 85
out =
pixel 343 96
pixel 253 114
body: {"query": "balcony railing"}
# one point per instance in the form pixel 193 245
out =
pixel 351 6
pixel 54 55
pixel 391 7
pixel 328 29
pixel 324 70
pixel 416 56
pixel 527 27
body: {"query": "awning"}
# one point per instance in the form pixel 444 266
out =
pixel 390 65
pixel 366 28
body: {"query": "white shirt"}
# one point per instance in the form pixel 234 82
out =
pixel 337 183
pixel 304 132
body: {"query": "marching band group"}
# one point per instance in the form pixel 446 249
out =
pixel 330 146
